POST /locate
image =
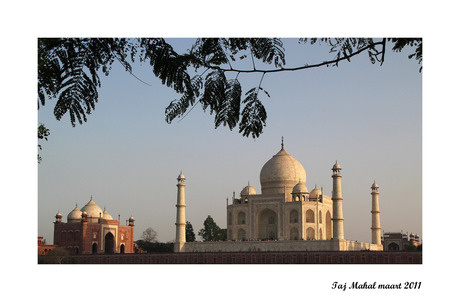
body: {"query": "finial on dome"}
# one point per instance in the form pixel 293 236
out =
pixel 282 143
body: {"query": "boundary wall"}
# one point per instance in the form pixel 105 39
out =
pixel 278 246
pixel 361 257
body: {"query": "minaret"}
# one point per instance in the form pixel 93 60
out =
pixel 180 217
pixel 337 219
pixel 376 239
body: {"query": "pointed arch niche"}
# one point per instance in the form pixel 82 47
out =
pixel 267 226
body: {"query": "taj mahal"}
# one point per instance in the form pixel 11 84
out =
pixel 285 216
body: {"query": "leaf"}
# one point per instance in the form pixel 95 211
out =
pixel 228 112
pixel 269 50
pixel 167 65
pixel 214 91
pixel 178 108
pixel 253 116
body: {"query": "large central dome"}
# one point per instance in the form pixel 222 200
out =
pixel 281 173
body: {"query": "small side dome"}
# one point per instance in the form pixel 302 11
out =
pixel 58 215
pixel 248 190
pixel 374 185
pixel 74 215
pixel 315 194
pixel 300 187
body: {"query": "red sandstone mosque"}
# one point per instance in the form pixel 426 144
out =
pixel 93 231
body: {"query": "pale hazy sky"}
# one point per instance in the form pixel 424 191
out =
pixel 367 117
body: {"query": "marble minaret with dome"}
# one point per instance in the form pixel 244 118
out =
pixel 284 216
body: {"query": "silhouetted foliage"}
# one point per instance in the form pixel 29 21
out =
pixel 410 248
pixel 68 71
pixel 189 233
pixel 43 133
pixel 155 247
pixel 149 235
pixel 58 254
pixel 211 231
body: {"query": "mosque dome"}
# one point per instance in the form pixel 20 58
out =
pixel 106 215
pixel 74 215
pixel 92 209
pixel 248 190
pixel 300 187
pixel 281 173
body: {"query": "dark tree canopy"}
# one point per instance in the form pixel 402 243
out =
pixel 211 231
pixel 155 247
pixel 43 133
pixel 68 70
pixel 189 233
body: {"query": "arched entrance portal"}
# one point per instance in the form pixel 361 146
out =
pixel 109 243
pixel 122 249
pixel 94 248
pixel 267 225
pixel 393 247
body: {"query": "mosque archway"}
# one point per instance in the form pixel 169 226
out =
pixel 94 248
pixel 109 243
pixel 267 225
pixel 122 249
pixel 393 246
pixel 294 235
pixel 310 234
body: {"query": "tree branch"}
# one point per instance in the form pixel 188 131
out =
pixel 296 68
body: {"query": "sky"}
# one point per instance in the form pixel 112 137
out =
pixel 366 116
